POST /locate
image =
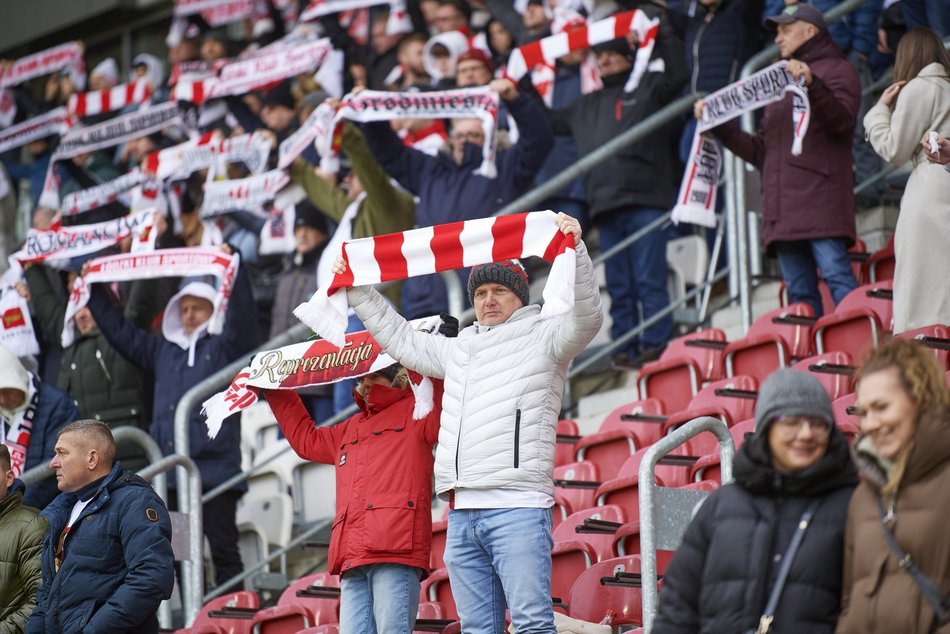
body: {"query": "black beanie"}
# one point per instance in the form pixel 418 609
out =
pixel 619 45
pixel 280 95
pixel 508 273
pixel 306 215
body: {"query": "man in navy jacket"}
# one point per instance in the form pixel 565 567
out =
pixel 107 555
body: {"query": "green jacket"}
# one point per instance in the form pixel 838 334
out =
pixel 102 383
pixel 386 208
pixel 21 547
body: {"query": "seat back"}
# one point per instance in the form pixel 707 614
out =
pixel 609 587
pixel 242 600
pixel 570 487
pixel 832 369
pixel 792 324
pixel 315 491
pixel 643 418
pixel 673 381
pixel 437 549
pixel 736 395
pixel 436 587
pixel 595 529
pixel 567 437
pixel 274 514
pixel 881 264
pixel 704 347
pixel 319 593
pixel 935 338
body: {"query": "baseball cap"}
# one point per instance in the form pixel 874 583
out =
pixel 798 12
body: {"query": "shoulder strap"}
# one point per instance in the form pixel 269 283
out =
pixel 939 602
pixel 765 621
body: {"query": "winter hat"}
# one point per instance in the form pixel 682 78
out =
pixel 280 95
pixel 619 45
pixel 798 12
pixel 478 55
pixel 306 215
pixel 509 273
pixel 108 70
pixel 788 392
pixel 13 375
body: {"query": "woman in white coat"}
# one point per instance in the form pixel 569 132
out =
pixel 917 102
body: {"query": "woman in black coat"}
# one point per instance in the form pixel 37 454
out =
pixel 723 573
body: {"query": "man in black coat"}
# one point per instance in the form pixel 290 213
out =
pixel 637 186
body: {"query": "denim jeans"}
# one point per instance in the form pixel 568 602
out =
pixel 798 261
pixel 498 558
pixel 379 599
pixel 636 277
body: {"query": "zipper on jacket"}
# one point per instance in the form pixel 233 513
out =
pixel 699 36
pixel 103 364
pixel 458 439
pixel 517 435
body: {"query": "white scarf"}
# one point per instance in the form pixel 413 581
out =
pixel 42 63
pixel 16 325
pixel 241 193
pixel 16 427
pixel 56 121
pixel 696 202
pixel 101 195
pixel 59 242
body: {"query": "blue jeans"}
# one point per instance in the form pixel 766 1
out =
pixel 343 390
pixel 636 277
pixel 379 599
pixel 498 558
pixel 798 261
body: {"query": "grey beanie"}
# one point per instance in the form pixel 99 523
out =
pixel 508 273
pixel 788 392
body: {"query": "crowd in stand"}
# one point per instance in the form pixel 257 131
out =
pixel 135 344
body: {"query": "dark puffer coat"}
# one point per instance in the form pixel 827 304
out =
pixel 722 575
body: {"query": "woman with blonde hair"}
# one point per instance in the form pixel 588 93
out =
pixel 897 542
pixel 916 103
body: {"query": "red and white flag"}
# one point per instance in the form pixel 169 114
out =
pixel 206 151
pixel 16 326
pixel 398 256
pixel 87 104
pixel 101 195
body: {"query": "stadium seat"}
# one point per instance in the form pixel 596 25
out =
pixel 735 395
pixel 704 347
pixel 321 629
pixel 568 561
pixel 624 490
pixel 880 266
pixel 859 323
pixel 832 369
pixel 644 418
pixel 609 587
pixel 845 418
pixel 773 341
pixel 935 337
pixel 593 526
pixel 314 490
pixel 436 587
pixel 708 466
pixel 430 618
pixel 203 629
pixel 567 437
pixel 673 381
pixel 273 514
pixel 307 602
pixel 575 485
pixel 230 613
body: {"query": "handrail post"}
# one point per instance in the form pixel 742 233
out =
pixel 647 487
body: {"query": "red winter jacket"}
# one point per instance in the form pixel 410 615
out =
pixel 383 464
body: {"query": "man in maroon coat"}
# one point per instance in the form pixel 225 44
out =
pixel 807 200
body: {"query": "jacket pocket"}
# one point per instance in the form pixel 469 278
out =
pixel 389 525
pixel 517 451
pixel 809 164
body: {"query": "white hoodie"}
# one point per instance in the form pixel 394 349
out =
pixel 457 44
pixel 172 328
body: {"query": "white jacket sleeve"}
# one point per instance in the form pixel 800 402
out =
pixel 418 351
pixel 896 135
pixel 578 328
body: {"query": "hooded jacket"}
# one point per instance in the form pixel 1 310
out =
pixel 54 409
pixel 21 542
pixel 450 193
pixel 179 362
pixel 722 575
pixel 503 384
pixel 383 461
pixel 118 564
pixel 879 596
pixel 808 196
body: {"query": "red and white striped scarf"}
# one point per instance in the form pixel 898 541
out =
pixel 398 256
pixel 182 262
pixel 87 104
pixel 42 63
pixel 101 195
pixel 546 51
pixel 372 105
pixel 398 22
pixel 318 127
pixel 696 202
pixel 242 193
pixel 206 151
pixel 311 363
pixel 56 121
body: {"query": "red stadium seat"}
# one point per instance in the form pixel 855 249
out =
pixel 436 587
pixel 207 628
pixel 845 418
pixel 881 264
pixel 704 347
pixel 430 618
pixel 729 400
pixel 708 466
pixel 832 369
pixel 859 323
pixel 593 526
pixel 309 601
pixel 231 612
pixel 609 587
pixel 935 337
pixel 673 381
pixel 437 550
pixel 773 341
pixel 567 437
pixel 568 560
pixel 575 485
pixel 321 629
pixel 644 418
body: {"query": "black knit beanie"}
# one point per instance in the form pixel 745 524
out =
pixel 508 273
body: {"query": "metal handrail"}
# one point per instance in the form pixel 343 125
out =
pixel 192 568
pixel 658 450
pixel 120 434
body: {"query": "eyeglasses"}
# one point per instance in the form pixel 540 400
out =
pixel 468 136
pixel 791 425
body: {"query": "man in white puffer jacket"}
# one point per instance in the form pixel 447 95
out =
pixel 504 377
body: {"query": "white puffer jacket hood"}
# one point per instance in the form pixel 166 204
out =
pixel 172 328
pixel 13 376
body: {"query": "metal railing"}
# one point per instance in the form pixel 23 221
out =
pixel 669 501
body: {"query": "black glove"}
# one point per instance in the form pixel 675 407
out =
pixel 450 325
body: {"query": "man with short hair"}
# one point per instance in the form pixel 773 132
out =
pixel 21 542
pixel 807 200
pixel 452 15
pixel 107 556
pixel 504 377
